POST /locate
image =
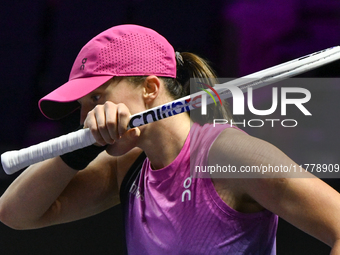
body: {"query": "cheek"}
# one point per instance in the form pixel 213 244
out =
pixel 133 101
pixel 83 112
pixel 135 104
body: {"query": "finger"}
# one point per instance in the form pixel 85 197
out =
pixel 111 120
pixel 91 123
pixel 100 112
pixel 123 115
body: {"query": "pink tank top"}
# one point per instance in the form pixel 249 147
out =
pixel 171 212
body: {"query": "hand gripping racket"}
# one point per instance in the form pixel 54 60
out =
pixel 13 161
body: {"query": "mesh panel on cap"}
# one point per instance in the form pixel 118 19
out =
pixel 134 54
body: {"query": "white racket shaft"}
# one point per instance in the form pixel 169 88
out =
pixel 13 161
pixel 255 80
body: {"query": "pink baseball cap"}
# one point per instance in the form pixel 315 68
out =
pixel 125 50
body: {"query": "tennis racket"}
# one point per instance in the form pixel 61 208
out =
pixel 13 161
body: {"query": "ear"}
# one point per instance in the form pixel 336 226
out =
pixel 151 89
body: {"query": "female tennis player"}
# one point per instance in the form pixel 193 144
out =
pixel 169 207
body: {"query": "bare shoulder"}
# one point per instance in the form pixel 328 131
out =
pixel 299 199
pixel 228 150
pixel 241 151
pixel 235 143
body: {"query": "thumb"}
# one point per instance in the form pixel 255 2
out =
pixel 125 143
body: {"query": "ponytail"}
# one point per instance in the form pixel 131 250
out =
pixel 189 66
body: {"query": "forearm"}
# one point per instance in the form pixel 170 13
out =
pixel 31 195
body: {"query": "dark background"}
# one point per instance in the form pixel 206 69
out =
pixel 40 39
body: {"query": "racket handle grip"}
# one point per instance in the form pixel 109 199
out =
pixel 13 161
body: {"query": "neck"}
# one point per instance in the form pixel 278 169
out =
pixel 163 140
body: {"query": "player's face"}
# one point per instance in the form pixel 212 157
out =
pixel 117 90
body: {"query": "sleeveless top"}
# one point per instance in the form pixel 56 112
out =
pixel 173 211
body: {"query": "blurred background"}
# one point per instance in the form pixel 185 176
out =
pixel 40 39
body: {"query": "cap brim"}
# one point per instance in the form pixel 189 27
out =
pixel 63 100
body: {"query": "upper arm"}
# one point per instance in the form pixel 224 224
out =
pixel 304 201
